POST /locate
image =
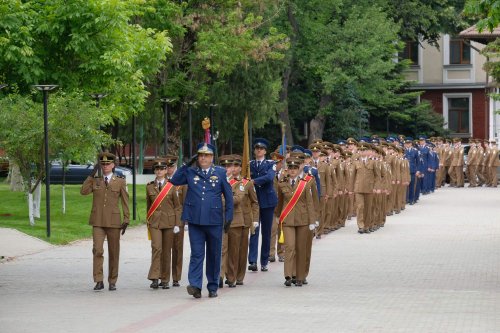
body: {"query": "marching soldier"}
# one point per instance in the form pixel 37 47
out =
pixel 493 163
pixel 263 172
pixel 163 219
pixel 473 158
pixel 457 163
pixel 297 219
pixel 325 184
pixel 105 218
pixel 178 246
pixel 203 211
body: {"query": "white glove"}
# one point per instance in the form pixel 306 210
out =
pixel 176 229
pixel 185 227
pixel 312 226
pixel 256 225
pixel 316 224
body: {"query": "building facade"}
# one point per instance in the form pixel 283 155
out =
pixel 453 81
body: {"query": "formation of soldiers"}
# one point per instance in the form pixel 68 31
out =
pixel 297 195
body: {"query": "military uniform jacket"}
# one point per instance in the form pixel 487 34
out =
pixel 411 154
pixel 303 212
pixel 263 177
pixel 493 158
pixel 245 208
pixel 203 203
pixel 458 157
pixel 324 178
pixel 168 213
pixel 447 156
pixel 313 171
pixel 366 172
pixel 473 156
pixel 350 169
pixel 105 212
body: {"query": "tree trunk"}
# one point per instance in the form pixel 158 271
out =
pixel 317 124
pixel 64 199
pixel 37 197
pixel 16 179
pixel 30 209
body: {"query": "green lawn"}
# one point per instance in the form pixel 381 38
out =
pixel 65 228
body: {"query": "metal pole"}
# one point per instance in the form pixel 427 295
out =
pixel 134 198
pixel 165 127
pixel 47 164
pixel 190 126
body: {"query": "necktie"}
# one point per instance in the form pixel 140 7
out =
pixel 159 186
pixel 106 181
pixel 258 164
pixel 293 182
pixel 315 164
pixel 205 172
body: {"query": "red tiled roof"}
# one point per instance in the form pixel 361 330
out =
pixel 483 37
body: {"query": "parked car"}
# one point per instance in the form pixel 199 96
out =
pixel 77 173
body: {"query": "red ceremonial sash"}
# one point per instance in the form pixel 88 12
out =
pixel 295 198
pixel 234 181
pixel 163 193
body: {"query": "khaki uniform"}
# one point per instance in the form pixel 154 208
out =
pixel 364 183
pixel 473 159
pixel 493 163
pixel 350 175
pixel 161 225
pixel 325 177
pixel 106 221
pixel 296 226
pixel 456 167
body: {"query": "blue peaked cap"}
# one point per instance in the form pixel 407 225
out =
pixel 297 148
pixel 205 148
pixel 260 142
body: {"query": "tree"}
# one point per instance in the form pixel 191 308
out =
pixel 485 12
pixel 21 134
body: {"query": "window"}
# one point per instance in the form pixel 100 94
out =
pixel 410 52
pixel 459 52
pixel 458 114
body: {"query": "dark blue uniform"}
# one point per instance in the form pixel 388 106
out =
pixel 263 178
pixel 424 157
pixel 203 211
pixel 411 154
pixel 315 174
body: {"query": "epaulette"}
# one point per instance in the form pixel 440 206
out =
pixel 151 182
pixel 270 161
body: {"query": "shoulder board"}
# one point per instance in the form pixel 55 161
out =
pixel 120 176
pixel 151 182
pixel 270 161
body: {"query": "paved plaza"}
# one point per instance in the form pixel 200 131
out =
pixel 433 268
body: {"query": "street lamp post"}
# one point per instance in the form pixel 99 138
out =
pixel 45 88
pixel 212 121
pixel 165 101
pixel 190 125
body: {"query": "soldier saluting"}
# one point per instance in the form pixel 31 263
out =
pixel 203 211
pixel 105 218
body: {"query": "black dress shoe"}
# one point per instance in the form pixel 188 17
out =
pixel 193 291
pixel 175 284
pixel 253 267
pixel 239 283
pixel 305 281
pixel 281 259
pixel 99 286
pixel 272 259
pixel 154 284
pixel 164 285
pixel 231 284
pixel 212 294
pixel 288 282
pixel 298 283
pixel 112 286
pixel 318 236
pixel 221 283
pixel 264 268
pixel 294 281
pixel 361 231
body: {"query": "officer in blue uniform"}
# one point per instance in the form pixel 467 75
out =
pixel 314 170
pixel 411 154
pixel 262 172
pixel 203 211
pixel 425 168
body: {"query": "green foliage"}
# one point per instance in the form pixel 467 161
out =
pixel 485 12
pixel 73 127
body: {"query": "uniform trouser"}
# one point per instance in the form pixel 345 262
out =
pixel 201 236
pixel 351 204
pixel 113 237
pixel 177 255
pixel 296 251
pixel 334 213
pixel 325 214
pixel 411 188
pixel 472 174
pixel 393 202
pixel 275 245
pixel 310 237
pixel 223 262
pixel 242 260
pixel 385 204
pixel 439 176
pixel 403 190
pixel 433 181
pixel 493 176
pixel 161 251
pixel 452 171
pixel 481 175
pixel 340 211
pixel 363 209
pixel 234 239
pixel 459 174
pixel 266 225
